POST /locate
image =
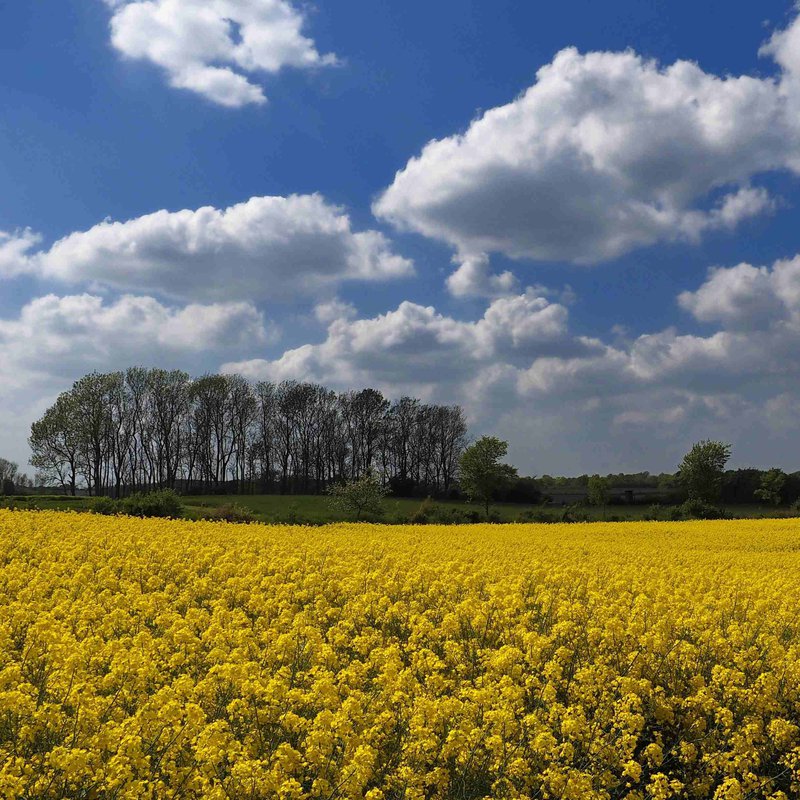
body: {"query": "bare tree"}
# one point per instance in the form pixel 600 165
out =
pixel 8 471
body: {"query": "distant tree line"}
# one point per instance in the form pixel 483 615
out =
pixel 744 486
pixel 143 428
pixel 11 478
pixel 619 480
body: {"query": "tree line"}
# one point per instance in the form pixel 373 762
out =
pixel 114 433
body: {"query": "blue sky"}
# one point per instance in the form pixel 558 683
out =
pixel 581 223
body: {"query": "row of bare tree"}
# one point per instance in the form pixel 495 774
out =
pixel 146 428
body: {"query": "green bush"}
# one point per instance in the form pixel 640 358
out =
pixel 654 513
pixel 471 516
pixel 431 513
pixel 230 512
pixel 362 498
pixel 423 515
pixel 697 509
pixel 449 515
pixel 105 505
pixel 535 515
pixel 574 513
pixel 161 503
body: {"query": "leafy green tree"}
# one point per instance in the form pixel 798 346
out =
pixel 598 492
pixel 772 483
pixel 702 470
pixel 481 475
pixel 56 443
pixel 360 498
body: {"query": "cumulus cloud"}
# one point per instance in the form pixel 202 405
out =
pixel 605 153
pixel 421 350
pixel 64 335
pixel 577 402
pixel 673 387
pixel 330 310
pixel 746 297
pixel 14 252
pixel 473 278
pixel 741 296
pixel 266 248
pixel 54 340
pixel 215 47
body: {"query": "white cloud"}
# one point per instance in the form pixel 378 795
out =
pixel 421 350
pixel 605 153
pixel 330 310
pixel 784 47
pixel 745 297
pixel 14 252
pixel 54 340
pixel 568 402
pixel 473 278
pixel 266 248
pixel 215 47
pixel 564 401
pixel 60 336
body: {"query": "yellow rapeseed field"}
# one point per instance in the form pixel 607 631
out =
pixel 156 659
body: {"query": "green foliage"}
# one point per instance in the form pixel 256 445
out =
pixel 292 514
pixel 598 491
pixel 431 513
pixel 573 513
pixel 536 515
pixel 105 505
pixel 654 513
pixel 697 509
pixel 362 498
pixel 772 483
pixel 230 512
pixel 702 470
pixel 423 514
pixel 619 480
pixel 160 503
pixel 481 475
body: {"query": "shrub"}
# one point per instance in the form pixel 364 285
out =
pixel 654 513
pixel 472 516
pixel 362 498
pixel 450 515
pixel 423 514
pixel 573 513
pixel 292 514
pixel 161 503
pixel 431 513
pixel 535 515
pixel 230 512
pixel 104 505
pixel 697 509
